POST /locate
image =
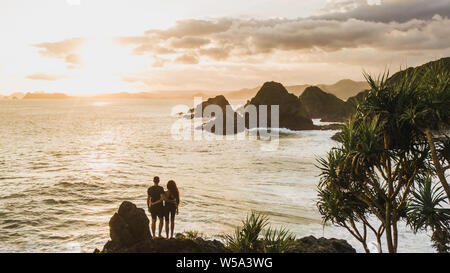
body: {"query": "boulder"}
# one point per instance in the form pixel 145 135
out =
pixel 128 226
pixel 325 106
pixel 293 114
pixel 311 244
pixel 130 233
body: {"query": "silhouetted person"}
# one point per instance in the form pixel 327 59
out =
pixel 172 201
pixel 155 205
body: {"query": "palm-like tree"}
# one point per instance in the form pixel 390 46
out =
pixel 385 147
pixel 431 112
pixel 426 211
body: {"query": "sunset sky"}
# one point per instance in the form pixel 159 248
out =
pixel 84 47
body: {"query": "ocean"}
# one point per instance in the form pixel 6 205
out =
pixel 66 165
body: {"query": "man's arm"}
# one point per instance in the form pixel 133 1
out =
pixel 157 202
pixel 148 201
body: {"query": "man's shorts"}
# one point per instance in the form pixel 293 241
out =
pixel 157 211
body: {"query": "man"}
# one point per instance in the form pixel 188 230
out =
pixel 155 205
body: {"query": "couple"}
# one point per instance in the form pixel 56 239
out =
pixel 163 204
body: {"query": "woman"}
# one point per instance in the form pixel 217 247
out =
pixel 172 200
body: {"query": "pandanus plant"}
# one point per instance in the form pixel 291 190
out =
pixel 426 211
pixel 385 147
pixel 430 113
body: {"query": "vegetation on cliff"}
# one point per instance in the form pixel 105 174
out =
pixel 130 233
pixel 394 141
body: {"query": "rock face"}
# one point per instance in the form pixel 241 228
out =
pixel 293 114
pixel 128 226
pixel 228 114
pixel 325 106
pixel 311 244
pixel 358 98
pixel 197 245
pixel 130 233
pixel 220 101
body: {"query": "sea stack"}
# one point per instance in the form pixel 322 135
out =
pixel 293 114
pixel 325 106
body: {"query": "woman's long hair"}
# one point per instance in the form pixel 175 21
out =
pixel 173 190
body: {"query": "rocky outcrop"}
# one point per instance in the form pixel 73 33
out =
pixel 199 110
pixel 130 233
pixel 325 106
pixel 128 226
pixel 158 245
pixel 311 244
pixel 293 114
pixel 227 114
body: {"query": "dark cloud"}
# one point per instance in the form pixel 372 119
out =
pixel 387 11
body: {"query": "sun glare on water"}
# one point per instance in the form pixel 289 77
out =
pixel 100 103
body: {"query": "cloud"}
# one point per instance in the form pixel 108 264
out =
pixel 44 77
pixel 193 27
pixel 187 59
pixel 73 59
pixel 386 11
pixel 65 49
pixel 188 42
pixel 258 38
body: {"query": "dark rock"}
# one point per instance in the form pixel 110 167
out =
pixel 357 99
pixel 325 106
pixel 293 114
pixel 227 115
pixel 130 233
pixel 337 136
pixel 173 246
pixel 220 101
pixel 311 244
pixel 128 226
pixel 333 127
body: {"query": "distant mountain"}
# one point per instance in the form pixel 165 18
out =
pixel 46 96
pixel 14 96
pixel 293 114
pixel 325 106
pixel 245 93
pixel 342 89
pixel 124 95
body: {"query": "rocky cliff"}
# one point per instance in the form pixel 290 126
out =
pixel 325 106
pixel 292 113
pixel 130 233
